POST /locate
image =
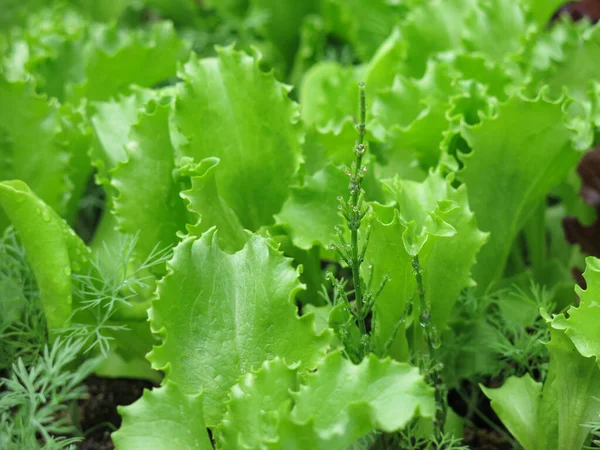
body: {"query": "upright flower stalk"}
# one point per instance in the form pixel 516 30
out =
pixel 352 253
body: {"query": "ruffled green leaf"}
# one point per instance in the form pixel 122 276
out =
pixel 495 28
pixel 581 323
pixel 30 126
pixel 386 392
pixel 328 95
pixel 433 27
pixel 574 47
pixel 280 23
pixel 233 312
pixel 163 419
pixel 433 221
pixel 115 59
pixel 148 199
pixel 542 10
pixel 256 405
pixel 364 25
pixel 527 147
pixel 310 213
pixel 227 108
pixel 329 409
pixel 204 201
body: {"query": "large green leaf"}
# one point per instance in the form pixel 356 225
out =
pixel 276 408
pixel 577 402
pixel 386 392
pixel 148 199
pixel 527 150
pixel 517 405
pixel 163 419
pixel 114 59
pixel 433 27
pixel 228 108
pixel 52 248
pixel 433 221
pixel 495 28
pixel 30 125
pixel 222 315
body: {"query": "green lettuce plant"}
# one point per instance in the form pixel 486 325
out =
pixel 209 267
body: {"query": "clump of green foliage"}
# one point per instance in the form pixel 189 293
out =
pixel 214 174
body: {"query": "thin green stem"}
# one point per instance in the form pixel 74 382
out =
pixel 354 223
pixel 428 361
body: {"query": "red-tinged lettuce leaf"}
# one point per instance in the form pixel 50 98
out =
pixel 228 108
pixel 221 315
pixel 163 419
pixel 432 220
pixel 147 200
pixel 528 148
pixel 274 408
pixel 52 247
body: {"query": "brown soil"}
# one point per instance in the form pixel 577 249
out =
pixel 98 414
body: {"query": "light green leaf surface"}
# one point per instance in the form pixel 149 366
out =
pixel 310 213
pixel 115 59
pixel 577 389
pixel 387 392
pixel 329 94
pixel 163 419
pixel 228 108
pixel 276 408
pixel 222 315
pixel 256 405
pixel 517 404
pixel 148 199
pixel 495 28
pixel 528 149
pixel 204 201
pixel 581 324
pixel 52 248
pixel 434 221
pixel 433 27
pixel 364 25
pixel 30 125
pixel 542 10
